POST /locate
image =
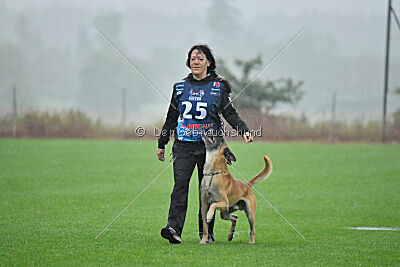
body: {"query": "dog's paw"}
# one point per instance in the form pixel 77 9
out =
pixel 209 217
pixel 230 237
pixel 203 241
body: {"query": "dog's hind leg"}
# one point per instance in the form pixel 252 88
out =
pixel 238 206
pixel 233 227
pixel 250 210
pixel 226 215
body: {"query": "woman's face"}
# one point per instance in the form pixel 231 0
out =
pixel 199 63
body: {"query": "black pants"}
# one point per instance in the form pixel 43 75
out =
pixel 187 155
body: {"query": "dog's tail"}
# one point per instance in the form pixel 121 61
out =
pixel 264 173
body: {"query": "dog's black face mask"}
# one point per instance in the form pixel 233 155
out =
pixel 212 141
pixel 229 156
pixel 215 142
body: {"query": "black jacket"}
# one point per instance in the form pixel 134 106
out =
pixel 229 113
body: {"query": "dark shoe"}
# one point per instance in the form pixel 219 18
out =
pixel 210 238
pixel 170 234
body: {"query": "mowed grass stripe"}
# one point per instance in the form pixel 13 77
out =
pixel 57 195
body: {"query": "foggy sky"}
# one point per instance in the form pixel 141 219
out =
pixel 341 50
pixel 174 7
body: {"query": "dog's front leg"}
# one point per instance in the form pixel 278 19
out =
pixel 204 208
pixel 217 205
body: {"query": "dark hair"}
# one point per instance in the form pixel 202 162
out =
pixel 206 51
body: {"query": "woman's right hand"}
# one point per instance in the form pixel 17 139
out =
pixel 160 154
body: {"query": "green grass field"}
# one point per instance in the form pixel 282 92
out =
pixel 57 195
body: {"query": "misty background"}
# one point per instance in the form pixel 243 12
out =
pixel 52 53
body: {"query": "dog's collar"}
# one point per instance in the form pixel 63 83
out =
pixel 214 173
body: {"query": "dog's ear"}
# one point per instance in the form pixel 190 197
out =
pixel 229 156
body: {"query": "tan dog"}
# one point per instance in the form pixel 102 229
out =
pixel 219 190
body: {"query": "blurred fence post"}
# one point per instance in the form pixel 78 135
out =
pixel 14 113
pixel 123 119
pixel 332 124
pixel 386 72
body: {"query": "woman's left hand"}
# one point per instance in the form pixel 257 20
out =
pixel 247 137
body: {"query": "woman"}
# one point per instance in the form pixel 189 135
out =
pixel 196 103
